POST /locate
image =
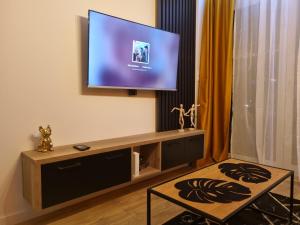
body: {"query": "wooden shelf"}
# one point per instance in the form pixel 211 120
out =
pixel 68 152
pixel 146 173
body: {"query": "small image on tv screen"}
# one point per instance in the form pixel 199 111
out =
pixel 140 52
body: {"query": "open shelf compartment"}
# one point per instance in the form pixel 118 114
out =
pixel 148 159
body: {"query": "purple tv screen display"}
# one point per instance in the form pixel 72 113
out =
pixel 124 54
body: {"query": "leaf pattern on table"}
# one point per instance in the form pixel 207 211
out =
pixel 249 173
pixel 206 190
pixel 274 203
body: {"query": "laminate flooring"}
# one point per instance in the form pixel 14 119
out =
pixel 127 206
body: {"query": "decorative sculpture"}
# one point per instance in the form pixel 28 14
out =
pixel 246 172
pixel 45 141
pixel 192 111
pixel 181 116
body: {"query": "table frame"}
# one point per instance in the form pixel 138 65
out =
pixel 209 216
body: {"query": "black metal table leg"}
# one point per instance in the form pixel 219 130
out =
pixel 148 207
pixel 292 198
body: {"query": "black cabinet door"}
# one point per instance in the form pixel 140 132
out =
pixel 117 168
pixel 194 147
pixel 180 151
pixel 63 181
pixel 69 179
pixel 173 153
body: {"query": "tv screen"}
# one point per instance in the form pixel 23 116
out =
pixel 124 54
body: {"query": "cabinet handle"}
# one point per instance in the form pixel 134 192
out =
pixel 78 164
pixel 114 156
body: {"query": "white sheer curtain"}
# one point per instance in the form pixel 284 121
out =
pixel 266 91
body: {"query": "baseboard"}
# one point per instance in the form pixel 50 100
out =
pixel 22 216
pixel 18 217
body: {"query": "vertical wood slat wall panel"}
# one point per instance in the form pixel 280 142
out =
pixel 178 16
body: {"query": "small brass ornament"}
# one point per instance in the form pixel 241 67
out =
pixel 45 141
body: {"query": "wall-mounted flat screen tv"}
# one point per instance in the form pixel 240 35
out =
pixel 128 55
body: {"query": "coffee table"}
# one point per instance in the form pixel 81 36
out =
pixel 221 190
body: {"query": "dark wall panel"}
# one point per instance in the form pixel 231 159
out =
pixel 178 16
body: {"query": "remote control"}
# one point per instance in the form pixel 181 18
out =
pixel 81 147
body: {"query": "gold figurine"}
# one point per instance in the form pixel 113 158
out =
pixel 45 141
pixel 191 111
pixel 181 116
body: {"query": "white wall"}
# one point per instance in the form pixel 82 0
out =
pixel 42 62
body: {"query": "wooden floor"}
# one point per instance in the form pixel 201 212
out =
pixel 126 207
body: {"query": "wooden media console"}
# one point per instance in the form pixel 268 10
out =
pixel 67 176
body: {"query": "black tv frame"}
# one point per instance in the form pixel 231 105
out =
pixel 134 89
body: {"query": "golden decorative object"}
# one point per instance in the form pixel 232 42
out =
pixel 45 141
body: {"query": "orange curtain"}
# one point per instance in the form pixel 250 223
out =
pixel 215 81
